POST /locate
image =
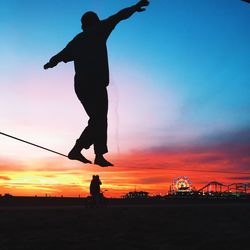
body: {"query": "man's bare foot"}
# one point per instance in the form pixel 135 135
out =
pixel 101 161
pixel 78 156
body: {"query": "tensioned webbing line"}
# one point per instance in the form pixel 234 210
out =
pixel 171 169
pixel 33 144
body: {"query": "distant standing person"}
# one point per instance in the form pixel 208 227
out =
pixel 95 189
pixel 89 52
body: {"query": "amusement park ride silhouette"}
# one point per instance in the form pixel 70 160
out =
pixel 183 185
pixel 218 187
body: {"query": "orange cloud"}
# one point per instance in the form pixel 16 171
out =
pixel 5 178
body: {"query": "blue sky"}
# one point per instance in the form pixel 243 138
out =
pixel 193 54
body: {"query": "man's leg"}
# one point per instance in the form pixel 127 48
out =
pixel 86 138
pixel 75 153
pixel 95 103
pixel 100 125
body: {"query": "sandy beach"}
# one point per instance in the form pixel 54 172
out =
pixel 124 227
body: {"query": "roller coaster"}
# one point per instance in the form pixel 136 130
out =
pixel 217 187
pixel 213 188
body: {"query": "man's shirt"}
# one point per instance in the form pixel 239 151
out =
pixel 88 50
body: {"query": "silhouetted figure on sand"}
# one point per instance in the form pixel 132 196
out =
pixel 89 52
pixel 95 189
pixel 95 184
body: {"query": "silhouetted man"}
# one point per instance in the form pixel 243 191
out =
pixel 95 189
pixel 89 52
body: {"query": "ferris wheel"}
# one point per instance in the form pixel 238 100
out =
pixel 182 184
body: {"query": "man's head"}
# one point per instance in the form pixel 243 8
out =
pixel 89 19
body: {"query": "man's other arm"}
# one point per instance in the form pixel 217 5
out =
pixel 127 12
pixel 63 56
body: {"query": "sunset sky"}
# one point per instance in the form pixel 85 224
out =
pixel 179 96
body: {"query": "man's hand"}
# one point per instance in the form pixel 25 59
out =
pixel 46 66
pixel 49 65
pixel 141 4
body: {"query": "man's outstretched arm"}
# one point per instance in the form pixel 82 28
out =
pixel 63 56
pixel 54 60
pixel 128 12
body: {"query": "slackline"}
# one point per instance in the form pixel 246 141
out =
pixel 33 144
pixel 192 170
